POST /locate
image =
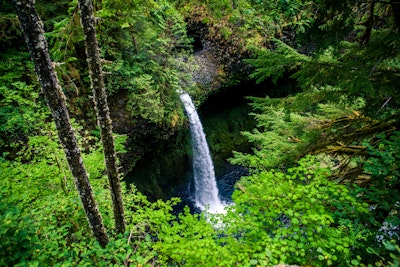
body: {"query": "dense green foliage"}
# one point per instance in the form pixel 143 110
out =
pixel 153 38
pixel 297 217
pixel 323 188
pixel 21 109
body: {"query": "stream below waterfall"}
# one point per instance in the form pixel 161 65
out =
pixel 225 184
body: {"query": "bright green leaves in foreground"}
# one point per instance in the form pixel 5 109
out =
pixel 41 217
pixel 17 235
pixel 296 217
pixel 192 241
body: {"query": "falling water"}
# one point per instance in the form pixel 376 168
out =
pixel 206 191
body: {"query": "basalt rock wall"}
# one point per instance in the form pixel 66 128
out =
pixel 219 58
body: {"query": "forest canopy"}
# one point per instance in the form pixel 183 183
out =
pixel 323 166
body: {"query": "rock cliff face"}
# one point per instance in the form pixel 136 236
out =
pixel 208 72
pixel 219 59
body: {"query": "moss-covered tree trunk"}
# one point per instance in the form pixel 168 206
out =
pixel 33 30
pixel 103 114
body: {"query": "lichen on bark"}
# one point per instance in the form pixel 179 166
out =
pixel 102 110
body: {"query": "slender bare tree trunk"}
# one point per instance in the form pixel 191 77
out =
pixel 103 113
pixel 33 30
pixel 396 11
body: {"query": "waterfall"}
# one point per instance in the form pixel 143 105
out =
pixel 206 190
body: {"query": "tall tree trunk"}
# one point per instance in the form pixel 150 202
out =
pixel 369 23
pixel 33 30
pixel 103 114
pixel 396 11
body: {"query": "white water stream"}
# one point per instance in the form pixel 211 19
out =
pixel 206 190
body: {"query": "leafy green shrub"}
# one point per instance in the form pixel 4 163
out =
pixel 296 217
pixel 191 240
pixel 21 110
pixel 17 235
